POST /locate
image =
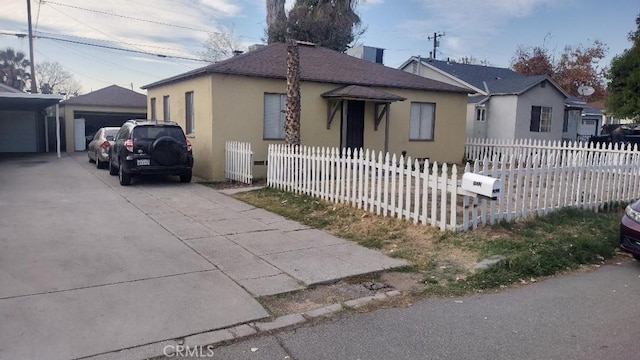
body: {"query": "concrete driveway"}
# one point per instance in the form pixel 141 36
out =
pixel 88 267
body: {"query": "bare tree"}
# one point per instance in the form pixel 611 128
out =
pixel 54 79
pixel 221 44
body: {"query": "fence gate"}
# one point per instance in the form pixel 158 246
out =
pixel 238 161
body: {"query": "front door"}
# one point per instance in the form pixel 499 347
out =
pixel 353 128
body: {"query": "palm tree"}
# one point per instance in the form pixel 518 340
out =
pixel 13 69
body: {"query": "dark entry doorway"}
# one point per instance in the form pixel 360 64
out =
pixel 353 132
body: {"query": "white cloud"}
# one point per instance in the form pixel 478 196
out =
pixel 94 20
pixel 470 24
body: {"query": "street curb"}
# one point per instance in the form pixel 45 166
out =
pixel 216 337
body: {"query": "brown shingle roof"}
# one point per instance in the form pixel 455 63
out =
pixel 317 64
pixel 113 95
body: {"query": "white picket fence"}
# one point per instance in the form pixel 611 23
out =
pixel 538 183
pixel 238 161
pixel 480 148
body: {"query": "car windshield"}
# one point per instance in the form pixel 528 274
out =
pixel 154 132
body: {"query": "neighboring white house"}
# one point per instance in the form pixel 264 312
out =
pixel 506 104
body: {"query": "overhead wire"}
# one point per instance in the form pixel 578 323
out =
pixel 73 70
pixel 113 37
pixel 132 18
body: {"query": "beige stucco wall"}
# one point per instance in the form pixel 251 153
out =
pixel 202 100
pixel 67 112
pixel 236 113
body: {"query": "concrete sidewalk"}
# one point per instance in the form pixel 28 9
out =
pixel 89 267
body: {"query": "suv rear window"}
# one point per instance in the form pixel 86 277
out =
pixel 154 132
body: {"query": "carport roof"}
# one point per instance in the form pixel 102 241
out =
pixel 26 101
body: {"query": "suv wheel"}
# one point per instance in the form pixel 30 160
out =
pixel 186 177
pixel 123 177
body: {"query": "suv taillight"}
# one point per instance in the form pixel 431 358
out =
pixel 128 144
pixel 105 145
pixel 188 145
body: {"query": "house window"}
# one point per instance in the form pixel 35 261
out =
pixel 165 108
pixel 188 116
pixel 481 113
pixel 274 116
pixel 422 121
pixel 540 119
pixel 153 108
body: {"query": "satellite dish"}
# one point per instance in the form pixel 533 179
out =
pixel 586 90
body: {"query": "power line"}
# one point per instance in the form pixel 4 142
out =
pixel 110 41
pixel 120 49
pixel 20 35
pixel 131 17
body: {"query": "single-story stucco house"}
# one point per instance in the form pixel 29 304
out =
pixel 345 102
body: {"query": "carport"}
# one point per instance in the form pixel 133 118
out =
pixel 23 124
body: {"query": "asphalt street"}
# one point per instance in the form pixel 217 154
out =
pixel 585 315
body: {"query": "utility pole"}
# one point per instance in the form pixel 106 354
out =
pixel 34 88
pixel 436 42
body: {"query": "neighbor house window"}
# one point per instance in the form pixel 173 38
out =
pixel 422 121
pixel 188 116
pixel 165 108
pixel 153 108
pixel 540 119
pixel 481 113
pixel 274 116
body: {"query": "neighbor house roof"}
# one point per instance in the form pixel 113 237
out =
pixel 114 96
pixel 317 64
pixel 488 79
pixel 474 75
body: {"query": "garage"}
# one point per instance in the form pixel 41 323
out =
pixel 111 106
pixel 87 123
pixel 23 121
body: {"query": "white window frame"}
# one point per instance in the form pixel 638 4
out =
pixel 274 116
pixel 189 116
pixel 481 113
pixel 544 122
pixel 422 120
pixel 546 114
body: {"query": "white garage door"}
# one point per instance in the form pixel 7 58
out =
pixel 18 131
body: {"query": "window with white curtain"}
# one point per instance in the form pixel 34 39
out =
pixel 274 116
pixel 422 121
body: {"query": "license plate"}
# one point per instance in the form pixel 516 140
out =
pixel 142 162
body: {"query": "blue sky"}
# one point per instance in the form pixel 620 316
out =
pixel 488 30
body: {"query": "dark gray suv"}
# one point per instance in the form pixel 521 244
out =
pixel 150 147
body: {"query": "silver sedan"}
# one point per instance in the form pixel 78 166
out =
pixel 98 149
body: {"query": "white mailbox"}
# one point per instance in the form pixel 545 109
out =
pixel 481 185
